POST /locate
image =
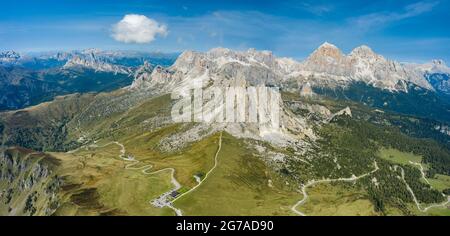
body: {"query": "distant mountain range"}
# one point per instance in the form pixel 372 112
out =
pixel 28 79
pixel 52 59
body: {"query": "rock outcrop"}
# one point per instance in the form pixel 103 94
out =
pixel 32 186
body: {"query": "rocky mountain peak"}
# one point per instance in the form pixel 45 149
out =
pixel 363 51
pixel 188 60
pixel 217 52
pixel 61 56
pixel 216 58
pixel 439 66
pixel 9 57
pixel 328 45
pixel 90 61
pixel 187 56
pixel 435 66
pixel 262 53
pixel 10 54
pixel 91 51
pixel 438 62
pixel 327 50
pixel 145 68
pixel 147 64
pixel 143 75
pixel 327 59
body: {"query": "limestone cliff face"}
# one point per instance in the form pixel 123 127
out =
pixel 362 64
pixel 326 66
pixel 29 185
pixel 220 66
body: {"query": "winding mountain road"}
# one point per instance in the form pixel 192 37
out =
pixel 313 182
pixel 164 199
pixel 443 204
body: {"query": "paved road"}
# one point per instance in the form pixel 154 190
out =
pixel 164 199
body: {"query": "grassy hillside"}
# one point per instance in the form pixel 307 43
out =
pixel 111 155
pixel 241 184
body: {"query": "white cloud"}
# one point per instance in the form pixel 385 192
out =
pixel 381 18
pixel 138 29
pixel 317 9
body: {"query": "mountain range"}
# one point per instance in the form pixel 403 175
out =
pixel 361 76
pixel 327 65
pixel 359 134
pixel 33 78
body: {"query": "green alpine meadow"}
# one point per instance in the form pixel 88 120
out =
pixel 298 108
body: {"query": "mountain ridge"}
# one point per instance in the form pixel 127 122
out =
pixel 327 61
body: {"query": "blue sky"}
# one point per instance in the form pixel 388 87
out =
pixel 415 31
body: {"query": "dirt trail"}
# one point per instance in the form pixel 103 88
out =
pixel 200 181
pixel 442 204
pixel 421 171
